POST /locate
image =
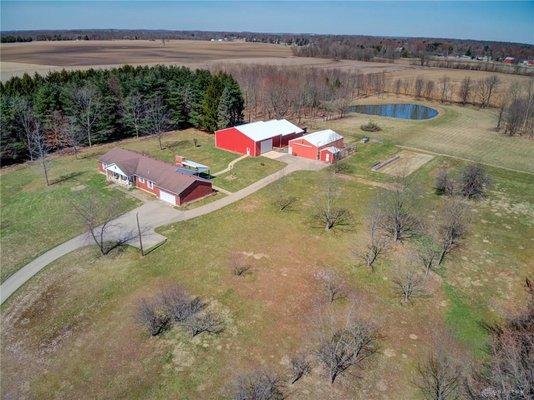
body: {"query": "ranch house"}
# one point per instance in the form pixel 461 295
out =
pixel 258 137
pixel 156 177
pixel 325 145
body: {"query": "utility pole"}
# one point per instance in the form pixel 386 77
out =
pixel 139 233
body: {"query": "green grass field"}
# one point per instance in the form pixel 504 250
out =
pixel 464 132
pixel 35 218
pixel 79 313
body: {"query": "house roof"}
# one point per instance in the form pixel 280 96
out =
pixel 261 130
pixel 321 138
pixel 164 175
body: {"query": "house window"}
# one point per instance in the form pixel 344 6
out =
pixel 150 184
pixel 142 180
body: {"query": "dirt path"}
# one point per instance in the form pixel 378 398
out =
pixel 152 215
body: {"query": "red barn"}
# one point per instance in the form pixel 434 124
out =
pixel 322 145
pixel 258 137
pixel 132 169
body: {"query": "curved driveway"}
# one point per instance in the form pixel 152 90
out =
pixel 152 214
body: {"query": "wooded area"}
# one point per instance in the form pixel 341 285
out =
pixel 77 108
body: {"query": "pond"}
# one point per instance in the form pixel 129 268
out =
pixel 400 110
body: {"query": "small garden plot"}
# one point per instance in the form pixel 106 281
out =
pixel 405 163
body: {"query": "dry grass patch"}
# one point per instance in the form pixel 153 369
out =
pixel 407 163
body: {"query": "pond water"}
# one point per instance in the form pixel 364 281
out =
pixel 400 110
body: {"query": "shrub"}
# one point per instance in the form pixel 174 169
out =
pixel 257 385
pixel 474 181
pixel 370 127
pixel 152 314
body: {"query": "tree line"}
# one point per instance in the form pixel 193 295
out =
pixel 276 92
pixel 376 45
pixel 79 108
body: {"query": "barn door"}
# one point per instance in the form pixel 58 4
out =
pixel 266 145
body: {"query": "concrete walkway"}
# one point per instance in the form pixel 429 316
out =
pixel 230 166
pixel 152 215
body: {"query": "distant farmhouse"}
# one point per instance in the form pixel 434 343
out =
pixel 165 181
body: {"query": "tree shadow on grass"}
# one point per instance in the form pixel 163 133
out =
pixel 67 177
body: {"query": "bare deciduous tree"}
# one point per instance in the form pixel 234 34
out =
pixel 85 108
pixel 300 366
pixel 397 207
pixel 40 149
pixel 507 371
pixel 180 305
pixel 204 322
pixel 465 90
pixel 427 252
pixel 74 135
pixel 418 87
pixel 98 220
pixel 486 87
pixel 349 346
pixel 377 242
pixel 444 182
pixel 257 385
pixel 332 284
pixel 453 223
pixel 134 112
pixel 429 89
pixel 152 314
pixel 438 377
pixel 282 199
pixel 445 88
pixel 26 117
pixel 474 181
pixel 409 284
pixel 398 85
pixel 328 212
pixel 239 264
pixel 157 118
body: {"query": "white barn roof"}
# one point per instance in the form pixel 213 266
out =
pixel 262 130
pixel 321 138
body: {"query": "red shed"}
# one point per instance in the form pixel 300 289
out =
pixel 322 145
pixel 257 137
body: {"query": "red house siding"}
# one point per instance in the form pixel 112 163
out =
pixel 233 140
pixel 196 191
pixel 144 186
pixel 102 167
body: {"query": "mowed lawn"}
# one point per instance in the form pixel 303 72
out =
pixel 35 218
pixel 465 132
pixel 75 335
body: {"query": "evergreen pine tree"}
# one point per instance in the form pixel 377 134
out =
pixel 230 110
pixel 210 104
